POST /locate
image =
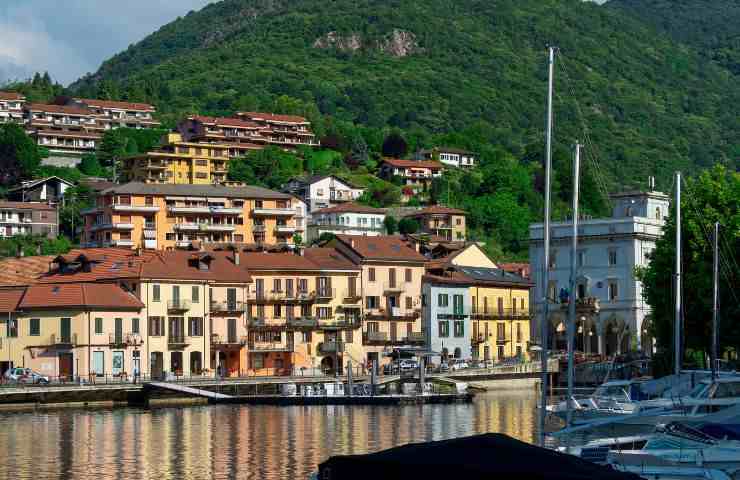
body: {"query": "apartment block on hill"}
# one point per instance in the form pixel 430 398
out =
pixel 139 215
pixel 443 222
pixel 323 191
pixel 417 175
pixel 11 107
pixel 114 114
pixel 28 218
pixel 347 219
pixel 63 129
pixel 453 157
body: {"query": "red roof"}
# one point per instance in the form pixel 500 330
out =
pixel 11 96
pixel 522 269
pixel 438 210
pixel 384 247
pixel 10 298
pixel 23 270
pixel 328 259
pixel 116 104
pixel 183 265
pixel 272 117
pixel 103 264
pixel 91 295
pixel 225 121
pixel 65 109
pixel 399 163
pixel 276 261
pixel 350 208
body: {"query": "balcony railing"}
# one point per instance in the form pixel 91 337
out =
pixel 392 287
pixel 501 314
pixel 176 341
pixel 351 296
pixel 129 339
pixel 415 337
pixel 303 322
pixel 63 341
pixel 255 346
pixel 264 211
pixel 394 314
pixel 331 347
pixel 267 323
pixel 340 322
pixel 175 305
pixel 227 307
pixel 325 293
pixel 258 227
pixel 287 297
pixel 287 229
pixel 127 207
pixel 228 340
pixel 123 243
pixel 123 226
pixel 375 337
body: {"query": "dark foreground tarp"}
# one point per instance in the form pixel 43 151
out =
pixel 489 456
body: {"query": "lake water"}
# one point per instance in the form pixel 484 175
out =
pixel 236 442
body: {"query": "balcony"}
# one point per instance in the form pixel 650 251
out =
pixel 193 209
pixel 154 165
pixel 394 314
pixel 100 226
pixel 325 293
pixel 331 347
pixel 282 297
pixel 227 307
pixel 501 340
pixel 187 227
pixel 303 322
pixel 502 314
pixel 415 337
pixel 392 287
pixel 261 323
pixel 284 229
pixel 127 207
pixel 63 341
pixel 183 244
pixel 269 346
pixel 340 322
pixel 351 296
pixel 273 212
pixel 227 210
pixel 176 341
pixel 123 226
pixel 217 227
pixel 178 305
pixel 123 341
pixel 228 340
pixel 477 340
pixel 369 338
pixel 89 211
pixel 258 227
pixel 123 243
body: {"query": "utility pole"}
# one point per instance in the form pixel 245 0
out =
pixel 546 271
pixel 677 320
pixel 715 301
pixel 573 270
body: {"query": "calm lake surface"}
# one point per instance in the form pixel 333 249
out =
pixel 239 442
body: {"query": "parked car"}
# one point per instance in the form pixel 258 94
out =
pixel 444 367
pixel 25 375
pixel 459 365
pixel 406 365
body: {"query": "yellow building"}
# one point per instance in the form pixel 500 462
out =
pixel 180 162
pixel 139 215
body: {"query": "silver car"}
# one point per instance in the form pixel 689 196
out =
pixel 25 375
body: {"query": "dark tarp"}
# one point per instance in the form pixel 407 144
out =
pixel 722 431
pixel 487 456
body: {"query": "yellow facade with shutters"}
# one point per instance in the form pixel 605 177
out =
pixel 501 322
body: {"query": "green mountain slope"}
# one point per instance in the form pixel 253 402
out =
pixel 650 105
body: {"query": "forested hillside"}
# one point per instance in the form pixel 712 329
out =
pixel 446 67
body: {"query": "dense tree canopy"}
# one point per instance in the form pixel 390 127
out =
pixel 19 156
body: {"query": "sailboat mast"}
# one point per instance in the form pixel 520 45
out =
pixel 546 270
pixel 572 299
pixel 677 320
pixel 715 300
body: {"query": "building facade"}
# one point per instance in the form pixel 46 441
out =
pixel 323 191
pixel 347 219
pixel 27 218
pixel 453 157
pixel 416 175
pixel 63 129
pixel 609 249
pixel 11 107
pixel 138 215
pixel 113 114
pixel 49 190
pixel 444 222
pixel 446 314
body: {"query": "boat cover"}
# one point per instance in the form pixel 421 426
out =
pixel 490 455
pixel 722 431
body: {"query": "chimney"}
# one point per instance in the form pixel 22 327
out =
pixel 352 242
pixel 236 258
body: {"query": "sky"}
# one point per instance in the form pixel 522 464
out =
pixel 69 38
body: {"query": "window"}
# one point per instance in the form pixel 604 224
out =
pixel 423 299
pixel 553 259
pixel 408 275
pixel 581 290
pixel 324 312
pixel 156 326
pixel 518 333
pixel 98 326
pixel 457 302
pixel 195 326
pixel 612 257
pixel 552 290
pixel 442 300
pixel 581 258
pixel 196 294
pixel 371 274
pixel 459 328
pixel 500 332
pixel 409 303
pixel 658 213
pixel 277 311
pixel 277 285
pixel 444 328
pixel 613 292
pixel 458 221
pixel 155 293
pixel 306 337
pixel 258 361
pixel 12 328
pixel 372 302
pixel 348 336
pixel 135 325
pixel 34 327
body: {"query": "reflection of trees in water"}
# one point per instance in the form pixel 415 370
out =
pixel 238 442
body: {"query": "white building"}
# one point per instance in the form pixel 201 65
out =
pixel 323 191
pixel 347 219
pixel 609 249
pixel 11 107
pixel 454 157
pixel 446 315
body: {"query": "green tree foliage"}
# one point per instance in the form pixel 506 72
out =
pixel 407 226
pixel 390 224
pixel 38 89
pixel 395 146
pixel 19 156
pixel 380 194
pixel 324 238
pixel 122 142
pixel 270 167
pixel 89 165
pixel 76 199
pixel 711 197
pixel 31 245
pixel 68 173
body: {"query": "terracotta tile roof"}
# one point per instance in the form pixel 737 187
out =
pixel 438 210
pixel 25 206
pixel 11 96
pixel 91 295
pixel 69 110
pixel 250 191
pixel 24 270
pixel 350 207
pixel 452 278
pixel 272 117
pixel 522 269
pixel 275 261
pixel 116 104
pixel 396 162
pixel 104 264
pixel 225 121
pixel 329 259
pixel 183 265
pixel 10 298
pixel 385 247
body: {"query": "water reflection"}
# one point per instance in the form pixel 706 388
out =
pixel 236 442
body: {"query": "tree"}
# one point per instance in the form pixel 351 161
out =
pixel 30 245
pixel 270 167
pixel 407 226
pixel 359 153
pixel 712 197
pixel 297 239
pixel 19 155
pixel 390 224
pixel 241 171
pixel 76 199
pixel 395 146
pixel 91 166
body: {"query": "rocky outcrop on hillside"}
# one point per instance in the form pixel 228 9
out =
pixel 399 43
